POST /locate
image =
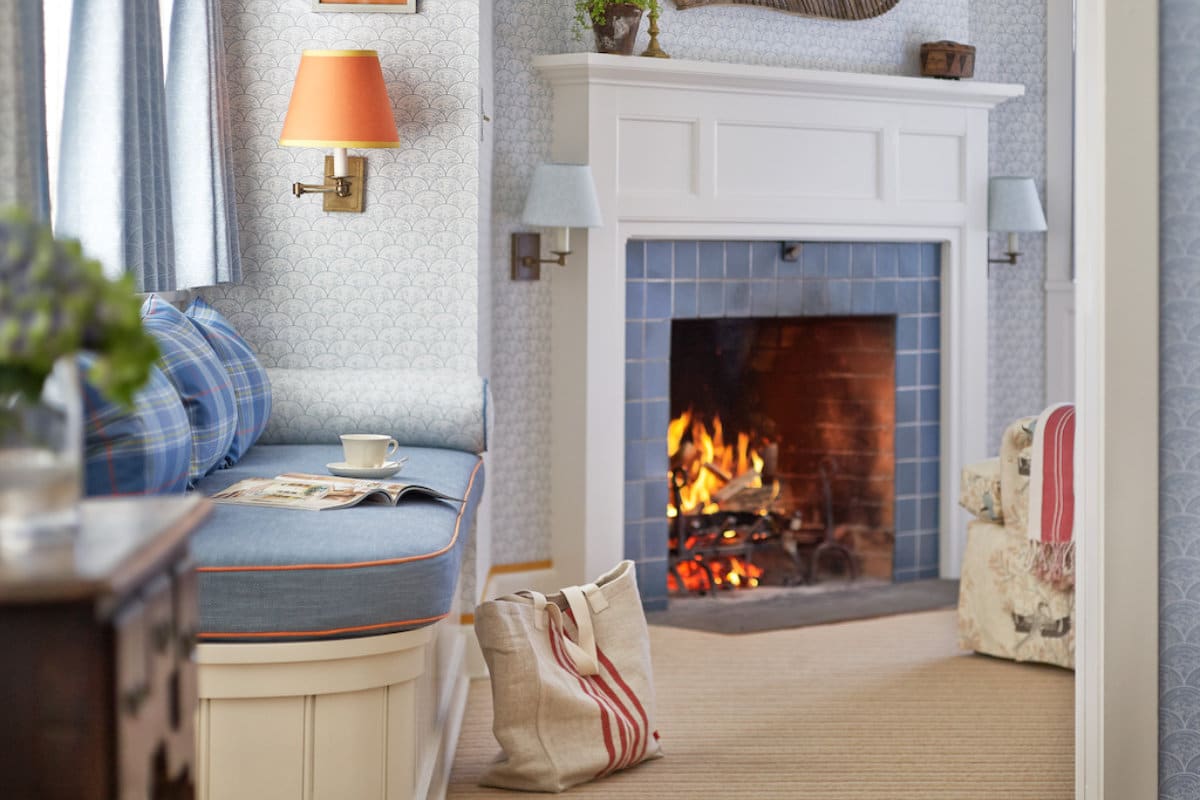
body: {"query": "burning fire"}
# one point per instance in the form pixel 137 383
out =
pixel 703 463
pixel 731 572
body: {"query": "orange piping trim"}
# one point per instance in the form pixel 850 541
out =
pixel 356 564
pixel 330 632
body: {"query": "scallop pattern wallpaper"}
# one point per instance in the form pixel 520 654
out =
pixel 888 44
pixel 394 286
pixel 1179 414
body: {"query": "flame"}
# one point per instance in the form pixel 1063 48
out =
pixel 711 459
pixel 733 572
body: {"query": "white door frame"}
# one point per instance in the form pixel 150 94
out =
pixel 1117 264
pixel 1059 283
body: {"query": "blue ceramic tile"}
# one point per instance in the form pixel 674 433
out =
pixel 931 260
pixel 930 441
pixel 931 333
pixel 763 298
pixel 927 550
pixel 712 259
pixel 816 297
pixel 929 405
pixel 656 416
pixel 906 406
pixel 931 296
pixel 656 499
pixel 885 297
pixel 656 380
pixel 908 333
pixel 655 454
pixel 927 479
pixel 633 541
pixel 658 300
pixel 712 299
pixel 904 556
pixel 658 259
pixel 909 260
pixel 635 300
pixel 634 417
pixel 635 460
pixel 633 340
pixel 906 478
pixel 654 603
pixel 862 297
pixel 837 260
pixel 654 538
pixel 906 441
pixel 908 297
pixel 634 383
pixel 652 583
pixel 737 259
pixel 906 369
pixel 862 260
pixel 887 261
pixel 931 369
pixel 906 516
pixel 762 260
pixel 812 256
pixel 927 515
pixel 790 298
pixel 635 259
pixel 685 260
pixel 791 269
pixel 737 298
pixel 685 300
pixel 635 501
pixel 927 573
pixel 839 297
pixel 658 340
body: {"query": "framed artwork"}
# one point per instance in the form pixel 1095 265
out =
pixel 386 6
pixel 827 9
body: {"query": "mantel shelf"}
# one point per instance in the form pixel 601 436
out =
pixel 598 68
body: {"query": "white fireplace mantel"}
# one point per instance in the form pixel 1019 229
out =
pixel 692 150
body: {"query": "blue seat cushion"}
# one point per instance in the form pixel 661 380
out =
pixel 269 574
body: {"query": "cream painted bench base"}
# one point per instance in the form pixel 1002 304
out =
pixel 372 717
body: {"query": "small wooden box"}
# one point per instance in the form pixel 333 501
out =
pixel 949 60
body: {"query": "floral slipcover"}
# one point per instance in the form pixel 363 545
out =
pixel 980 490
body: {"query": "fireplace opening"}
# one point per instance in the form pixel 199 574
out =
pixel 781 446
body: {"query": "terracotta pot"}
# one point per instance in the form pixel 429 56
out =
pixel 620 29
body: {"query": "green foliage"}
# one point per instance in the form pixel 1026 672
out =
pixel 595 12
pixel 54 302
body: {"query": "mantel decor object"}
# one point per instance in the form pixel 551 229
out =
pixel 948 60
pixel 654 49
pixel 827 9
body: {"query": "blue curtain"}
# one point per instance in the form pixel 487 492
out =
pixel 114 189
pixel 205 212
pixel 23 108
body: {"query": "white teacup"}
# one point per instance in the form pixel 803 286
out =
pixel 368 449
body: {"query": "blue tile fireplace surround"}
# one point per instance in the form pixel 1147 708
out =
pixel 669 280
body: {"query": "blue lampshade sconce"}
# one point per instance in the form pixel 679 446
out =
pixel 561 197
pixel 1013 207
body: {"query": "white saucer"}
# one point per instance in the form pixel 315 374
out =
pixel 344 470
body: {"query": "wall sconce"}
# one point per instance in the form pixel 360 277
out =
pixel 1013 207
pixel 562 196
pixel 339 100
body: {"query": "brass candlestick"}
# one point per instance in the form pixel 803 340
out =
pixel 653 50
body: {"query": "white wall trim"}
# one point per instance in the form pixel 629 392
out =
pixel 1116 739
pixel 1060 134
pixel 691 150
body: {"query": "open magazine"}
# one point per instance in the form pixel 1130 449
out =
pixel 303 492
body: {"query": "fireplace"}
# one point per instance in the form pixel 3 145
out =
pixel 791 405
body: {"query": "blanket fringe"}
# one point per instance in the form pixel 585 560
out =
pixel 1052 563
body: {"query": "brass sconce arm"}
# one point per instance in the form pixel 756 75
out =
pixel 526 257
pixel 1009 258
pixel 341 187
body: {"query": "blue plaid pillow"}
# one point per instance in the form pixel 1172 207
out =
pixel 201 381
pixel 144 450
pixel 251 387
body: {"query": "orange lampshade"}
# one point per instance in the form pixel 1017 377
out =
pixel 339 100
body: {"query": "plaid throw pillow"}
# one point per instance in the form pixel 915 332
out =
pixel 251 387
pixel 201 381
pixel 146 450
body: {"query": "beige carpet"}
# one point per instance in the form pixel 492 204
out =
pixel 883 708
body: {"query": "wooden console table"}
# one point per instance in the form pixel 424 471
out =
pixel 97 679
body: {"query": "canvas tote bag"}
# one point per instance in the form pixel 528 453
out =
pixel 572 687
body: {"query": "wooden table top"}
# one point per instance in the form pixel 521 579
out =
pixel 119 539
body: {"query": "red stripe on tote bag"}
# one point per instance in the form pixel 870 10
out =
pixel 633 698
pixel 563 661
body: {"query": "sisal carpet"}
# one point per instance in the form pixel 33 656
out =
pixel 768 609
pixel 884 708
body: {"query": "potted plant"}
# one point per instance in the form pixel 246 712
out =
pixel 614 24
pixel 54 304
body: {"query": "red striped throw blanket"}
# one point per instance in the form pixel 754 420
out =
pixel 1052 497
